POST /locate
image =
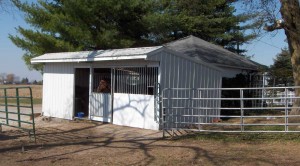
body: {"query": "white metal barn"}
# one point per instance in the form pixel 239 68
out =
pixel 131 77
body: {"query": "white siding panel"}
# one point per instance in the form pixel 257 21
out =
pixel 134 110
pixel 58 90
pixel 100 106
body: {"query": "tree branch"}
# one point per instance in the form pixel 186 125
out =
pixel 279 24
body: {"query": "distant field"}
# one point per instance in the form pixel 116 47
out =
pixel 36 93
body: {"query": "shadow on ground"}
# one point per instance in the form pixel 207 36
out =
pixel 90 143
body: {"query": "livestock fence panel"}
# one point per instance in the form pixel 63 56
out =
pixel 267 109
pixel 16 109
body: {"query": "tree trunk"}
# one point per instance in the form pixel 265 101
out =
pixel 290 11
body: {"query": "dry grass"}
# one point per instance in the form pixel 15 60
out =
pixel 253 124
pixel 36 90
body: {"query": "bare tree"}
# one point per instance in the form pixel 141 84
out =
pixel 2 78
pixel 282 14
pixel 10 78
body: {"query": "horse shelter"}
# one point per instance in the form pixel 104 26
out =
pixel 123 86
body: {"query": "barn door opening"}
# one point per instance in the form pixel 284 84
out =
pixel 81 92
pixel 100 99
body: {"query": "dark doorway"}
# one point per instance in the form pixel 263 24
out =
pixel 102 75
pixel 82 92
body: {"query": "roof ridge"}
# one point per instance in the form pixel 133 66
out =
pixel 207 48
pixel 189 36
pixel 114 49
pixel 232 54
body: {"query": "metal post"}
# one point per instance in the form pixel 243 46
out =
pixel 6 107
pixel 91 87
pixel 32 112
pixel 286 111
pixel 113 81
pixel 163 114
pixel 163 118
pixel 242 110
pixel 18 106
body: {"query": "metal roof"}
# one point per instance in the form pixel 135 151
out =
pixel 210 53
pixel 191 47
pixel 98 55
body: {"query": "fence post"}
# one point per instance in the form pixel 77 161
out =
pixel 6 107
pixel 163 113
pixel 18 106
pixel 286 111
pixel 242 110
pixel 32 113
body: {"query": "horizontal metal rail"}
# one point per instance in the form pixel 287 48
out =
pixel 11 105
pixel 224 116
pixel 16 113
pixel 258 88
pixel 19 113
pixel 245 108
pixel 14 97
pixel 265 98
pixel 183 108
pixel 224 131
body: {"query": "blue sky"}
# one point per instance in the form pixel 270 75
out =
pixel 11 56
pixel 263 49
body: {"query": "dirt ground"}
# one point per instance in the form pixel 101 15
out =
pixel 85 143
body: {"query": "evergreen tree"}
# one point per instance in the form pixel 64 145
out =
pixel 213 21
pixel 61 26
pixel 25 81
pixel 80 25
pixel 281 72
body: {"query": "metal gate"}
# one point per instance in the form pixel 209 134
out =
pixel 230 109
pixel 16 109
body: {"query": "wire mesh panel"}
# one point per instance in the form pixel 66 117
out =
pixel 137 80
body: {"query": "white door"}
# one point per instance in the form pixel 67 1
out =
pixel 100 107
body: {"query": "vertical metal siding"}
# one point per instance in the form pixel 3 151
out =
pixel 177 72
pixel 58 90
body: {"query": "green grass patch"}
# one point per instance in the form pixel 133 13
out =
pixel 244 137
pixel 264 128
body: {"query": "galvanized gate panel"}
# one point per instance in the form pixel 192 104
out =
pixel 200 109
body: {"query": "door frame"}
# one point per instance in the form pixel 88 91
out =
pixel 74 81
pixel 91 84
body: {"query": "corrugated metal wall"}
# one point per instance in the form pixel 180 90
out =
pixel 58 89
pixel 178 72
